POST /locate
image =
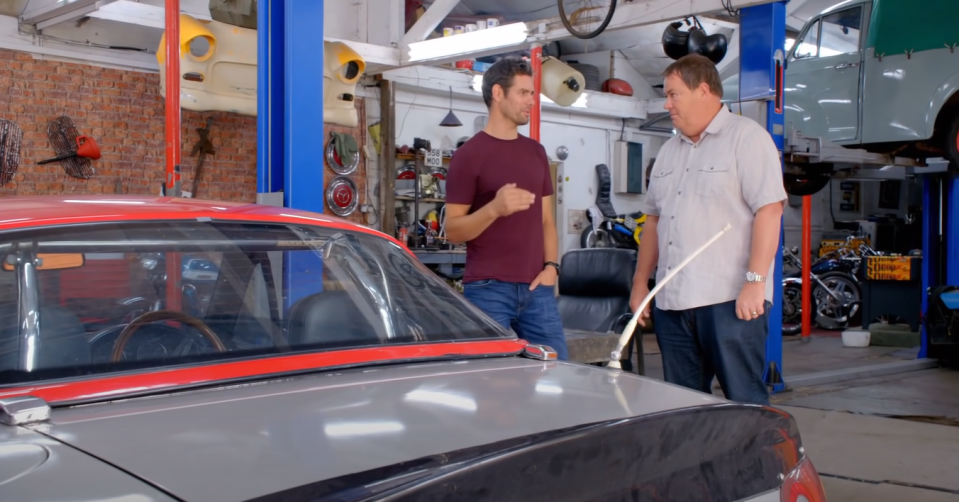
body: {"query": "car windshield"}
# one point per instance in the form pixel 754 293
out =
pixel 103 298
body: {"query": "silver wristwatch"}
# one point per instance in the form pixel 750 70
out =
pixel 753 277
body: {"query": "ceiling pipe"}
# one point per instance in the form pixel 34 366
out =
pixel 172 136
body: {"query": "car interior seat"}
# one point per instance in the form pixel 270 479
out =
pixel 62 338
pixel 329 318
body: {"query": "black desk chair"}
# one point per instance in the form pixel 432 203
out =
pixel 594 288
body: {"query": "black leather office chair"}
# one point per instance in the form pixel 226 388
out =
pixel 594 288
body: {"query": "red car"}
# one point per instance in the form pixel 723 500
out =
pixel 323 362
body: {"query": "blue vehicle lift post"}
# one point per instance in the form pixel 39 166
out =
pixel 290 122
pixel 762 42
pixel 940 210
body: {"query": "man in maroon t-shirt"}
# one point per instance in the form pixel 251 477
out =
pixel 499 201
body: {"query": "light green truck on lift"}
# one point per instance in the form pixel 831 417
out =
pixel 880 76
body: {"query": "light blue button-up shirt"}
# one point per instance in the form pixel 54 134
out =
pixel 697 188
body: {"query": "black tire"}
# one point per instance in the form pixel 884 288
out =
pixel 830 322
pixel 572 31
pixel 795 317
pixel 602 238
pixel 804 184
pixel 952 144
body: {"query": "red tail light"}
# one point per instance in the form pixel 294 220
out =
pixel 803 484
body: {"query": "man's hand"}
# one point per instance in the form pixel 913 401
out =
pixel 510 199
pixel 635 298
pixel 545 278
pixel 751 302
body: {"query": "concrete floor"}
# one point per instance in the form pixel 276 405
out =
pixel 878 439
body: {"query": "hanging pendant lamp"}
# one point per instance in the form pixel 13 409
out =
pixel 451 120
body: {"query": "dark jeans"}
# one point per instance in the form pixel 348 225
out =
pixel 531 314
pixel 701 343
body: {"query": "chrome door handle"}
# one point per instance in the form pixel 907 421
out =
pixel 846 65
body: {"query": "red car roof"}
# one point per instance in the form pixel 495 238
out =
pixel 45 210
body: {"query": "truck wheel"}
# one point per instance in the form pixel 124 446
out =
pixel 804 184
pixel 952 144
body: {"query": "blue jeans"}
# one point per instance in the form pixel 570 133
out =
pixel 533 315
pixel 701 343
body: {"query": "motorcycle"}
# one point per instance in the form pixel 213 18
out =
pixel 836 292
pixel 606 227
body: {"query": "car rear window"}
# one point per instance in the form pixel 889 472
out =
pixel 104 298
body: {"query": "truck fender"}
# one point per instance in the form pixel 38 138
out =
pixel 943 94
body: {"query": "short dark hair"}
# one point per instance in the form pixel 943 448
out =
pixel 694 69
pixel 502 73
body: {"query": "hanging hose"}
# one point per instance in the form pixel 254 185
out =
pixel 628 332
pixel 442 218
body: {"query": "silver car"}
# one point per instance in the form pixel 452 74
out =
pixel 327 364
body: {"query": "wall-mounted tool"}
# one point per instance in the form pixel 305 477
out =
pixel 10 138
pixel 86 147
pixel 75 160
pixel 202 147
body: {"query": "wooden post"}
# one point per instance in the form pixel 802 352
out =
pixel 387 157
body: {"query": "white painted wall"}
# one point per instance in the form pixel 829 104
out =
pixel 341 19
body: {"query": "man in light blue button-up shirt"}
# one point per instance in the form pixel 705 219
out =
pixel 711 319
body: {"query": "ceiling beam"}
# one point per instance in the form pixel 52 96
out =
pixel 430 20
pixel 792 20
pixel 464 84
pixel 641 13
pixel 628 15
pixel 42 11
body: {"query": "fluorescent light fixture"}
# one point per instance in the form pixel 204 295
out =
pixel 145 14
pixel 466 43
pixel 581 101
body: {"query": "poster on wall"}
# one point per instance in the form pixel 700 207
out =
pixel 849 196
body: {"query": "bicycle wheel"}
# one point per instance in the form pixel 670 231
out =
pixel 586 18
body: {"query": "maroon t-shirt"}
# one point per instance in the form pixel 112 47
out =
pixel 511 249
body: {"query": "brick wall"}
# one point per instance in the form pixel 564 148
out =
pixel 123 111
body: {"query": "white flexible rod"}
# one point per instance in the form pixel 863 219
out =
pixel 628 332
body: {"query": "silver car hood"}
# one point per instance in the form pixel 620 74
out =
pixel 239 442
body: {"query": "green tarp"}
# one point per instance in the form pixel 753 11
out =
pixel 900 26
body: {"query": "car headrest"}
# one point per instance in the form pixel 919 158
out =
pixel 329 318
pixel 598 272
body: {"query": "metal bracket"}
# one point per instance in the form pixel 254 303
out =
pixel 539 352
pixel 798 149
pixel 23 410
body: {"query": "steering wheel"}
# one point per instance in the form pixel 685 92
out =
pixel 164 315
